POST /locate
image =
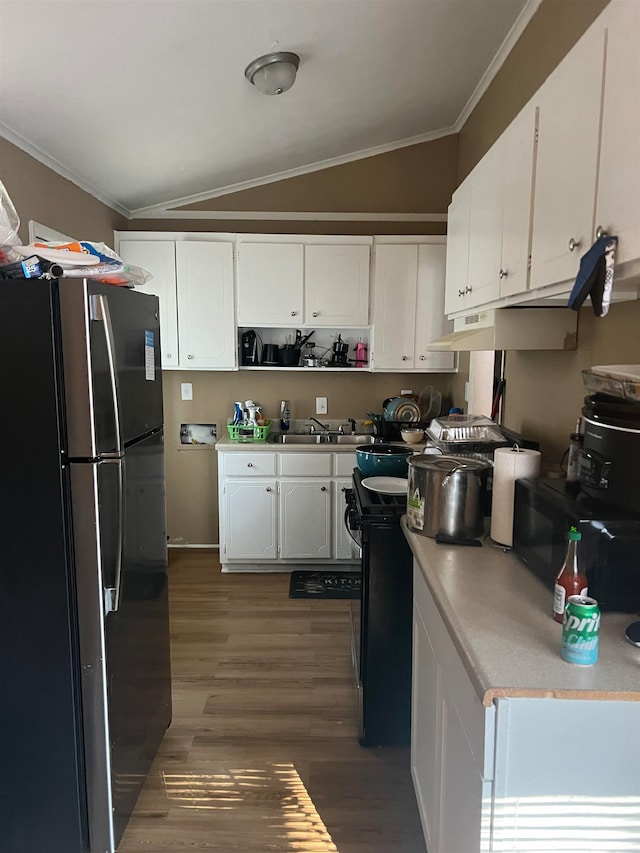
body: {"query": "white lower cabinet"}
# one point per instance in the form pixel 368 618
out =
pixel 523 772
pixel 282 508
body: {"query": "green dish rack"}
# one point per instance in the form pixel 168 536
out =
pixel 260 433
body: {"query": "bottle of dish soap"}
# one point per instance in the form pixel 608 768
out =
pixel 285 415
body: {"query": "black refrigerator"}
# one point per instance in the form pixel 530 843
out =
pixel 84 628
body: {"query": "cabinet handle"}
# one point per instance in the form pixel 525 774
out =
pixel 189 356
pixel 323 488
pixel 315 313
pixel 268 489
pixel 468 289
pixel 503 274
pixel 293 313
pixel 600 232
pixel 249 464
pixel 574 244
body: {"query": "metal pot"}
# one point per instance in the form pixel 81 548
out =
pixel 311 362
pixel 382 460
pixel 445 496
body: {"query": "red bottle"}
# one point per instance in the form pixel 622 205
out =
pixel 571 580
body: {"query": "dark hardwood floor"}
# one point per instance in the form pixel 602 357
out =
pixel 262 754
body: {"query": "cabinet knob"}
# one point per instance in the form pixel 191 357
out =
pixel 574 244
pixel 600 232
pixel 343 489
pixel 503 274
pixel 461 293
pixel 189 356
pixel 323 488
pixel 405 358
pixel 293 313
pixel 169 355
pixel 468 289
pixel 423 358
pixel 315 313
pixel 268 489
pixel 249 464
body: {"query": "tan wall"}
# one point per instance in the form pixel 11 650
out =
pixel 40 194
pixel 192 499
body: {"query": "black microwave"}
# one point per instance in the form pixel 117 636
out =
pixel 609 550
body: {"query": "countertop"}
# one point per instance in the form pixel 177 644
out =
pixel 498 616
pixel 225 443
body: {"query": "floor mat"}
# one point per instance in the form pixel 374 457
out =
pixel 325 585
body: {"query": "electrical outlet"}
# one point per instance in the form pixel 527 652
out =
pixel 321 405
pixel 186 389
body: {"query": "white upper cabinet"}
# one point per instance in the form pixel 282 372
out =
pixel 158 257
pixel 567 162
pixel 458 248
pixel 618 198
pixel 485 231
pixel 270 284
pixel 408 303
pixel 308 283
pixel 205 305
pixel 517 153
pixel 336 290
pixel 193 280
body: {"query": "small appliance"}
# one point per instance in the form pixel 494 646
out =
pixel 249 348
pixel 544 511
pixel 270 355
pixel 339 357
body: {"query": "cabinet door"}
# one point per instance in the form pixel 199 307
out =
pixel 248 523
pixel 516 151
pixel 270 278
pixel 430 320
pixel 394 301
pixel 158 258
pixel 344 548
pixel 305 519
pixel 568 137
pixel 485 232
pixel 426 740
pixel 336 285
pixel 205 303
pixel 618 203
pixel 458 248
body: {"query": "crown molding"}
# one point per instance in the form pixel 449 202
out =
pixel 292 216
pixel 33 151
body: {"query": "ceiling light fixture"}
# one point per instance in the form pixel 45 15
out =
pixel 273 73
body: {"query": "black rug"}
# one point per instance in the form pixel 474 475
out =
pixel 324 585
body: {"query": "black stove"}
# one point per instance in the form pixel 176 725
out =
pixel 382 635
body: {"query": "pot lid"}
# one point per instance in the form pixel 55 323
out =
pixel 449 464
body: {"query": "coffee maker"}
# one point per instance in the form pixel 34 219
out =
pixel 339 353
pixel 249 348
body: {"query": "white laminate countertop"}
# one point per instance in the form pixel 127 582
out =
pixel 499 617
pixel 226 443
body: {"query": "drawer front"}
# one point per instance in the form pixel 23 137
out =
pixel 344 464
pixel 305 464
pixel 249 464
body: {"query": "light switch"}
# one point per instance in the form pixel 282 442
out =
pixel 186 388
pixel 321 405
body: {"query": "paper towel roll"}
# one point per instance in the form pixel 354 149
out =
pixel 509 464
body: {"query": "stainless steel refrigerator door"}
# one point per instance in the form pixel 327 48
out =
pixel 121 577
pixel 96 507
pixel 111 358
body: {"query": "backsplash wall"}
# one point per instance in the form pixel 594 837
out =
pixel 192 488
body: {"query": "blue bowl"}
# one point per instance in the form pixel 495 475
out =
pixel 383 460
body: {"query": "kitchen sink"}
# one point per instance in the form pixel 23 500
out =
pixel 366 438
pixel 321 438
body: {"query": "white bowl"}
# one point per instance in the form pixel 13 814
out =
pixel 412 436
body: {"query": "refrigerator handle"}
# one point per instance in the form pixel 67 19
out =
pixel 112 593
pixel 100 311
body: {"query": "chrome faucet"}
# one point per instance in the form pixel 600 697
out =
pixel 323 427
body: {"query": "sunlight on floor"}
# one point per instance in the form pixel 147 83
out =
pixel 277 788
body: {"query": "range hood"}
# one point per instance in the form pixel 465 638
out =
pixel 512 329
